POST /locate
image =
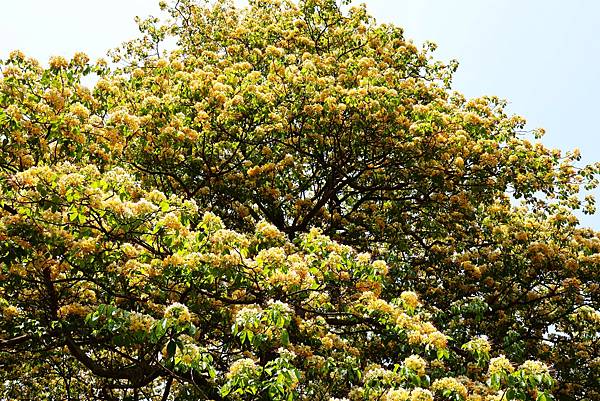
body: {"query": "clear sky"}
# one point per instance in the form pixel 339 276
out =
pixel 541 55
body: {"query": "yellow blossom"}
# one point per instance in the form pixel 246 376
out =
pixel 80 59
pixel 438 339
pixel 178 312
pixel 500 364
pixel 410 299
pixel 243 366
pixel 450 384
pixel 397 395
pixel 58 62
pixel 9 312
pixel 420 394
pixel 416 364
pixel 534 367
pixel 380 267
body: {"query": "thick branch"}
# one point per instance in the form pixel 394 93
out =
pixel 138 376
pixel 11 342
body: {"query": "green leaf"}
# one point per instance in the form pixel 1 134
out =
pixel 442 353
pixel 73 215
pixel 225 390
pixel 171 348
pixel 285 337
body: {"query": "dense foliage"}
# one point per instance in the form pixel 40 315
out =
pixel 290 204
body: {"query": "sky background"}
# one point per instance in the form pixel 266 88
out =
pixel 541 55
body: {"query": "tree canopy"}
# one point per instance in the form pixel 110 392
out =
pixel 288 203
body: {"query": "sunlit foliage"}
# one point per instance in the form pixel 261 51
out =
pixel 289 204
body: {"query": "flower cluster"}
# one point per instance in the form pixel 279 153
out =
pixel 416 364
pixel 534 368
pixel 179 313
pixel 450 384
pixel 500 365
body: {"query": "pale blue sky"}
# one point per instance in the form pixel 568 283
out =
pixel 541 55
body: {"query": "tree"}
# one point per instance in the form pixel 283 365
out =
pixel 353 179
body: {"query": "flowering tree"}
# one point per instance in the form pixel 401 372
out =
pixel 351 179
